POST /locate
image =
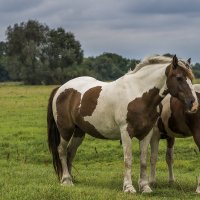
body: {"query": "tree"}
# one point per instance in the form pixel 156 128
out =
pixel 196 70
pixel 63 50
pixel 25 43
pixel 3 49
pixel 110 66
pixel 38 55
pixel 4 76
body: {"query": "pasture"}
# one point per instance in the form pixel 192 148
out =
pixel 26 170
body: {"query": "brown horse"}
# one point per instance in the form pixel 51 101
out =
pixel 173 123
pixel 122 109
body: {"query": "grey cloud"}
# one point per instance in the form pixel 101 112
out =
pixel 132 28
pixel 162 6
pixel 18 5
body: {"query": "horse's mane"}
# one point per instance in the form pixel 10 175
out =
pixel 155 59
pixel 158 59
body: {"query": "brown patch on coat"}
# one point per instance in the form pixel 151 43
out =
pixel 170 142
pixel 71 111
pixel 177 120
pixel 161 127
pixel 160 124
pixel 142 113
pixel 67 105
pixel 89 101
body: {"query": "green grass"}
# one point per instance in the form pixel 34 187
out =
pixel 26 170
pixel 197 81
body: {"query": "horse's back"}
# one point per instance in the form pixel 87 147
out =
pixel 81 84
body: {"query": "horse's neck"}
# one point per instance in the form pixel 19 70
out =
pixel 148 78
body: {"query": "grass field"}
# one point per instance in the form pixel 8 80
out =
pixel 26 170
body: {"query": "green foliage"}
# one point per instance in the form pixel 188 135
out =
pixel 63 50
pixel 107 66
pixel 196 70
pixel 196 81
pixel 4 76
pixel 168 55
pixel 26 170
pixel 35 53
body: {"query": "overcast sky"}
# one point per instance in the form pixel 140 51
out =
pixel 131 28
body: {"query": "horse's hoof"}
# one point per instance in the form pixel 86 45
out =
pixel 129 189
pixel 171 182
pixel 67 182
pixel 198 190
pixel 146 189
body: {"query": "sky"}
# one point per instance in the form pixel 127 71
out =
pixel 131 28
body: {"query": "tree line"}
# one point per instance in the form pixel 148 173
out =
pixel 35 54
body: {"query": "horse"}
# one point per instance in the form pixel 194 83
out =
pixel 173 123
pixel 117 110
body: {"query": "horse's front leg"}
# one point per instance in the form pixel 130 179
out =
pixel 127 149
pixel 143 181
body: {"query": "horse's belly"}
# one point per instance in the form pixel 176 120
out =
pixel 179 133
pixel 107 128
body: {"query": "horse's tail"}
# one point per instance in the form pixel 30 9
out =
pixel 53 136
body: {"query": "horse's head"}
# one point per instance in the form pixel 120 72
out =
pixel 179 83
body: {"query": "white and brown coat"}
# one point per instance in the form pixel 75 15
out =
pixel 121 109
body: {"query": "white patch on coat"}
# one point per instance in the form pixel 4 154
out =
pixel 196 103
pixel 166 113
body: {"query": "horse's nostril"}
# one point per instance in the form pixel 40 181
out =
pixel 189 103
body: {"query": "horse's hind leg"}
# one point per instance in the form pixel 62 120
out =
pixel 66 178
pixel 75 142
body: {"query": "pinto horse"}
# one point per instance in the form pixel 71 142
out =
pixel 173 123
pixel 118 110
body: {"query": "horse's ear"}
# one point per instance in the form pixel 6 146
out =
pixel 174 62
pixel 189 60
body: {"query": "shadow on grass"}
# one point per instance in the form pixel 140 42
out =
pixel 161 190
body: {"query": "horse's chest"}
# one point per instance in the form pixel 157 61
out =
pixel 177 126
pixel 140 121
pixel 142 113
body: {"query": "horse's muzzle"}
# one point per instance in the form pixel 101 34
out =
pixel 192 106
